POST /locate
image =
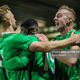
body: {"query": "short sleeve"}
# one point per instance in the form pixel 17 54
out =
pixel 77 32
pixel 22 41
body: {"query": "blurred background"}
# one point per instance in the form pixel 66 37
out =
pixel 41 10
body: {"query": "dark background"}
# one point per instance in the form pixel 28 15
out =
pixel 41 10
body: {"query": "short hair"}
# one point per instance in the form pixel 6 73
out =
pixel 3 11
pixel 69 9
pixel 28 23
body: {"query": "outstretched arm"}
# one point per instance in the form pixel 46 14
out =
pixel 49 45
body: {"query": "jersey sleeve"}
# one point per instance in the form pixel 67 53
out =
pixel 21 41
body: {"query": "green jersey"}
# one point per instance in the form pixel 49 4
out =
pixel 20 63
pixel 2 74
pixel 62 71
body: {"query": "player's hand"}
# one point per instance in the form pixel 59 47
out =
pixel 75 37
pixel 41 37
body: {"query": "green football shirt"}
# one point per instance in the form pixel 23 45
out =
pixel 62 71
pixel 19 62
pixel 16 56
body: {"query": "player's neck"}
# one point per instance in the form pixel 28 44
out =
pixel 67 29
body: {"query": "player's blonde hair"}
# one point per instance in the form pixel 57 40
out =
pixel 3 11
pixel 70 10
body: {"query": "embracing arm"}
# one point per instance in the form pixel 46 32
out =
pixel 49 45
pixel 69 61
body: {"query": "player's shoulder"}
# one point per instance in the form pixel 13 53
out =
pixel 77 31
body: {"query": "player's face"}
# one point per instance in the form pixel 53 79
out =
pixel 33 30
pixel 11 18
pixel 60 19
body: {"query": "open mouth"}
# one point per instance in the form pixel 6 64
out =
pixel 57 23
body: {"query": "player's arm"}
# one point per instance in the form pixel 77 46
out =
pixel 49 45
pixel 69 61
